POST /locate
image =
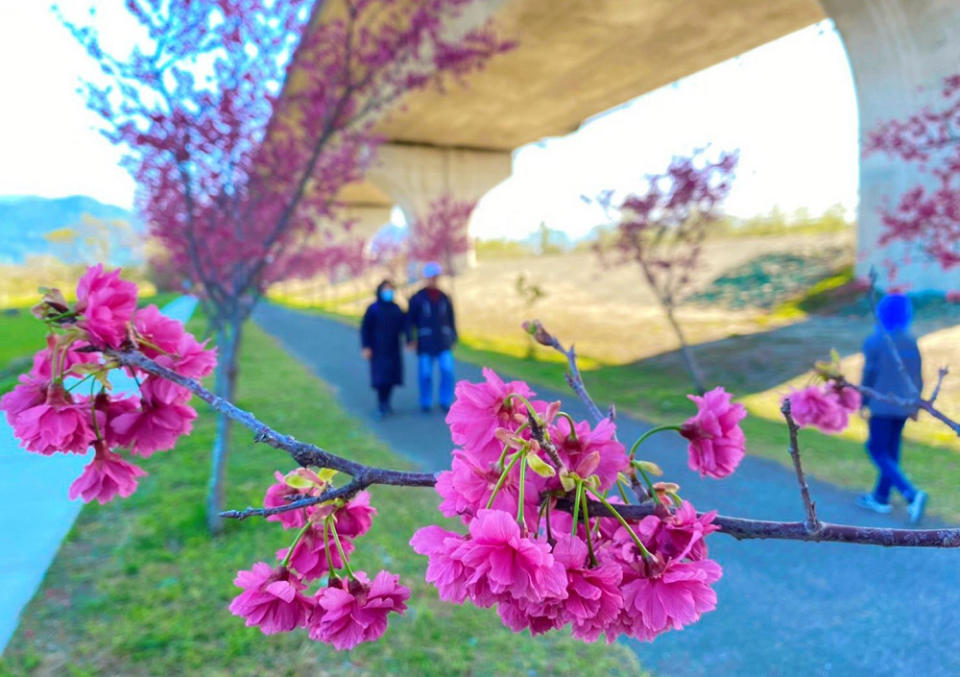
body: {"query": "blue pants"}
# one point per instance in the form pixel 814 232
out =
pixel 425 374
pixel 883 445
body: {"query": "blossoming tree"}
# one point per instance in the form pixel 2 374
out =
pixel 560 523
pixel 926 216
pixel 662 230
pixel 243 119
pixel 441 234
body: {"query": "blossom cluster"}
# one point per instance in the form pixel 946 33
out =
pixel 826 406
pixel 519 462
pixel 50 412
pixel 345 610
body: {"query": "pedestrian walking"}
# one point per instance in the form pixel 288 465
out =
pixel 432 320
pixel 882 374
pixel 382 332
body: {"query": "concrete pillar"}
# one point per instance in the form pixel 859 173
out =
pixel 415 175
pixel 899 52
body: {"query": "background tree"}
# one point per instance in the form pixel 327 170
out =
pixel 927 215
pixel 662 230
pixel 237 164
pixel 441 234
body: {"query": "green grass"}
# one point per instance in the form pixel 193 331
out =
pixel 21 335
pixel 140 588
pixel 657 393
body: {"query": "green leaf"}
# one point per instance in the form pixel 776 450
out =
pixel 539 466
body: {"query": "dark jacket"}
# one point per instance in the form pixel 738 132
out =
pixel 383 326
pixel 880 371
pixel 433 321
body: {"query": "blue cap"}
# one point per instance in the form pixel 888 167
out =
pixel 894 312
pixel 432 269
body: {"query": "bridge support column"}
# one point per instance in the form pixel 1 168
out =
pixel 899 52
pixel 416 175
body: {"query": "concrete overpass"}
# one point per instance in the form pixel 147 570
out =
pixel 577 58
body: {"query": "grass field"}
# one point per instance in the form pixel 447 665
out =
pixel 139 588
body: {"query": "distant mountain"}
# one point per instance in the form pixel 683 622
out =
pixel 26 219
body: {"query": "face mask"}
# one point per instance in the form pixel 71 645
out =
pixel 387 295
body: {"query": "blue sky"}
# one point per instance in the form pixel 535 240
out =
pixel 788 106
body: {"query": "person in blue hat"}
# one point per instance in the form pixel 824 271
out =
pixel 381 338
pixel 432 319
pixel 886 419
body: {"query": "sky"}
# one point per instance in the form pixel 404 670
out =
pixel 788 106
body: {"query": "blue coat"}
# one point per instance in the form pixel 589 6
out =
pixel 384 325
pixel 433 321
pixel 880 371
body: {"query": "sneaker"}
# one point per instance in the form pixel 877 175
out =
pixel 915 509
pixel 870 503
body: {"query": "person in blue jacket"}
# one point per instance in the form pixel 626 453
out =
pixel 381 332
pixel 432 319
pixel 886 419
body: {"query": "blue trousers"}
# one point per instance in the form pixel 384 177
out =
pixel 883 445
pixel 425 374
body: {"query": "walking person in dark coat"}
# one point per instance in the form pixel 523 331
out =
pixel 431 316
pixel 881 373
pixel 381 332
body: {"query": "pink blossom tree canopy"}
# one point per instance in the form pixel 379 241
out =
pixel 441 234
pixel 243 119
pixel 927 215
pixel 662 229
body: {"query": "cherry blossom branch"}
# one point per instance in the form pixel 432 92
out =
pixel 812 522
pixel 363 476
pixel 304 453
pixel 574 377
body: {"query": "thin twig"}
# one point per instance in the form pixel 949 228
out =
pixel 574 377
pixel 941 374
pixel 808 505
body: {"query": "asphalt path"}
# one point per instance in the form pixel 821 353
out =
pixel 785 608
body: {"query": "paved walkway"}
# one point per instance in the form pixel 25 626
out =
pixel 35 513
pixel 785 608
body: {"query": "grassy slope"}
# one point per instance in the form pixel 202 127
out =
pixel 139 588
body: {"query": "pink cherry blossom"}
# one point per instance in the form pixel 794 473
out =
pixel 592 452
pixel 716 441
pixel 481 408
pixel 272 599
pixel 675 596
pixel 447 574
pixel 466 488
pixel 819 407
pixel 159 334
pixel 58 424
pixel 309 556
pixel 105 304
pixel 276 496
pixel 849 398
pixel 679 535
pixel 104 477
pixel 160 422
pixel 194 359
pixel 67 358
pixel 351 612
pixel 29 393
pixel 502 562
pixel 355 517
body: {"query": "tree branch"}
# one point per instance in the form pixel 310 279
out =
pixel 813 524
pixel 574 377
pixel 306 454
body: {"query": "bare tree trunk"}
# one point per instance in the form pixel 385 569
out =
pixel 686 352
pixel 225 385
